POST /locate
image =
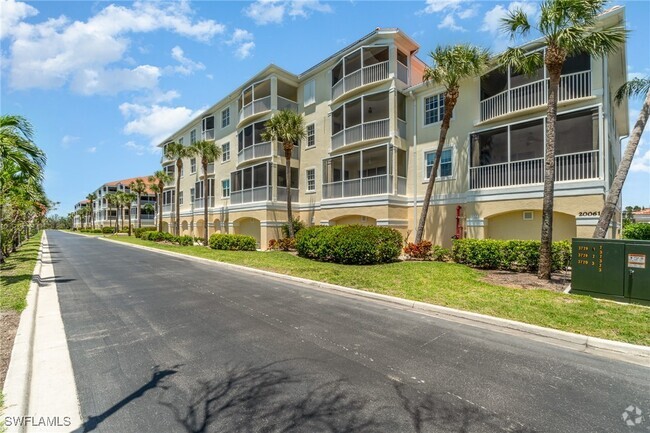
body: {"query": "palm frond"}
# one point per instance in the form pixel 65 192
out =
pixel 634 87
pixel 515 23
pixel 522 61
pixel 451 64
pixel 599 42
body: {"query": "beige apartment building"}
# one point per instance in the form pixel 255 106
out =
pixel 372 130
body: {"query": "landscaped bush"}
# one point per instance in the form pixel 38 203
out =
pixel 108 230
pixel 420 251
pixel 158 237
pixel 139 231
pixel 297 226
pixel 285 244
pixel 350 244
pixel 440 254
pixel 639 231
pixel 184 240
pixel 91 231
pixel 219 241
pixel 511 255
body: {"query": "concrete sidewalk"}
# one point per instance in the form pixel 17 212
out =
pixel 40 391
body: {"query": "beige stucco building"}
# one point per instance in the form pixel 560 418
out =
pixel 372 130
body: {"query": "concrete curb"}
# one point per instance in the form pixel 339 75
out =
pixel 18 379
pixel 624 351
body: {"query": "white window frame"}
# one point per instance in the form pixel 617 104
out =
pixel 180 198
pixel 309 93
pixel 192 136
pixel 227 117
pixel 192 165
pixel 440 113
pixel 433 152
pixel 312 135
pixel 180 141
pixel 223 195
pixel 307 171
pixel 224 153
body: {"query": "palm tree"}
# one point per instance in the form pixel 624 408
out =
pixel 91 198
pixel 635 87
pixel 177 151
pixel 127 199
pixel 17 145
pixel 119 203
pixel 450 66
pixel 208 151
pixel 111 199
pixel 567 28
pixel 138 187
pixel 158 181
pixel 288 128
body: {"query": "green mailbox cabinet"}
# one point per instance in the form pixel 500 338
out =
pixel 611 268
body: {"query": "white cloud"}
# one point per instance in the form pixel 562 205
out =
pixel 436 6
pixel 187 66
pixel 641 161
pixel 273 11
pixel 13 12
pixel 243 42
pixel 92 149
pixel 492 18
pixel 67 140
pixel 138 149
pixel 58 51
pixel 468 13
pixel 450 23
pixel 155 122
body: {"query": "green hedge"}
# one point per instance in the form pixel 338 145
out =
pixel 97 231
pixel 108 230
pixel 219 241
pixel 350 244
pixel 139 231
pixel 510 255
pixel 154 236
pixel 639 231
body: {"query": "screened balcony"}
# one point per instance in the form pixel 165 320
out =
pixel 365 118
pixel 514 155
pixel 199 199
pixel 508 91
pixel 255 99
pixel 366 172
pixel 363 66
pixel 287 96
pixel 207 128
pixel 250 144
pixel 254 184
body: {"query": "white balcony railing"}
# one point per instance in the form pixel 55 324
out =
pixel 282 194
pixel 402 73
pixel 211 168
pixel 568 167
pixel 198 203
pixel 360 77
pixel 259 150
pixel 257 106
pixel 372 185
pixel 572 86
pixel 401 128
pixel 295 153
pixel 401 185
pixel 287 104
pixel 168 208
pixel 261 193
pixel 362 131
pixel 208 134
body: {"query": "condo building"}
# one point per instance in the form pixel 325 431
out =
pixel 79 220
pixel 372 130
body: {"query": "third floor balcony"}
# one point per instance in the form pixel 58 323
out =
pixel 265 95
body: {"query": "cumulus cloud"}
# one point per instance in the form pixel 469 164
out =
pixel 187 66
pixel 59 51
pixel 273 11
pixel 492 21
pixel 13 12
pixel 453 10
pixel 641 161
pixel 449 23
pixel 156 122
pixel 242 40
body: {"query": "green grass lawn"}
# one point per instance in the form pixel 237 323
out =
pixel 450 285
pixel 16 274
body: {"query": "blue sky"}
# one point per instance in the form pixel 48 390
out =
pixel 104 82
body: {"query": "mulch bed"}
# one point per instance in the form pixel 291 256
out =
pixel 559 280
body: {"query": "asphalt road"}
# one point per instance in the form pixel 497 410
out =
pixel 161 344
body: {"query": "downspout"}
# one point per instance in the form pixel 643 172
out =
pixel 415 158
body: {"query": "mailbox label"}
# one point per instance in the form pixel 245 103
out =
pixel 636 261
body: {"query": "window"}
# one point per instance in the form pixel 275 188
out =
pixel 225 188
pixel 225 152
pixel 198 189
pixel 180 141
pixel 180 198
pixel 192 165
pixel 310 93
pixel 225 117
pixel 193 136
pixel 434 109
pixel 311 135
pixel 445 169
pixel 169 169
pixel 311 179
pixel 207 128
pixel 528 215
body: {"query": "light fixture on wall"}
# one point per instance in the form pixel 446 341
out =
pixel 370 110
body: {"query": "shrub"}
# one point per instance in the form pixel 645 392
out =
pixel 639 231
pixel 353 244
pixel 420 250
pixel 108 230
pixel 139 231
pixel 440 254
pixel 285 244
pixel 511 255
pixel 219 241
pixel 297 226
pixel 158 236
pixel 184 240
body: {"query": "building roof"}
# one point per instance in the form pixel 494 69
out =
pixel 127 182
pixel 642 212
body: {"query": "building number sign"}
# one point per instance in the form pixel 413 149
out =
pixel 591 256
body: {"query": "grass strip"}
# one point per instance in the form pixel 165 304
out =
pixel 16 275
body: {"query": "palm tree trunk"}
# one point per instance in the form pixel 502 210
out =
pixel 614 193
pixel 545 249
pixel 450 102
pixel 129 219
pixel 139 212
pixel 205 202
pixel 177 220
pixel 160 210
pixel 287 156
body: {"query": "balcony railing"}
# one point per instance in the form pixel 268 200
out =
pixel 282 194
pixel 257 106
pixel 295 153
pixel 568 167
pixel 211 168
pixel 168 207
pixel 258 150
pixel 198 203
pixel 402 73
pixel 401 128
pixel 261 193
pixel 360 77
pixel 360 132
pixel 373 185
pixel 401 185
pixel 208 134
pixel 287 104
pixel 572 86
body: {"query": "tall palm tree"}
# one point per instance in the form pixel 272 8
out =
pixel 450 66
pixel 17 145
pixel 208 151
pixel 119 202
pixel 288 128
pixel 138 187
pixel 111 200
pixel 635 87
pixel 91 198
pixel 567 28
pixel 127 199
pixel 158 181
pixel 177 151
